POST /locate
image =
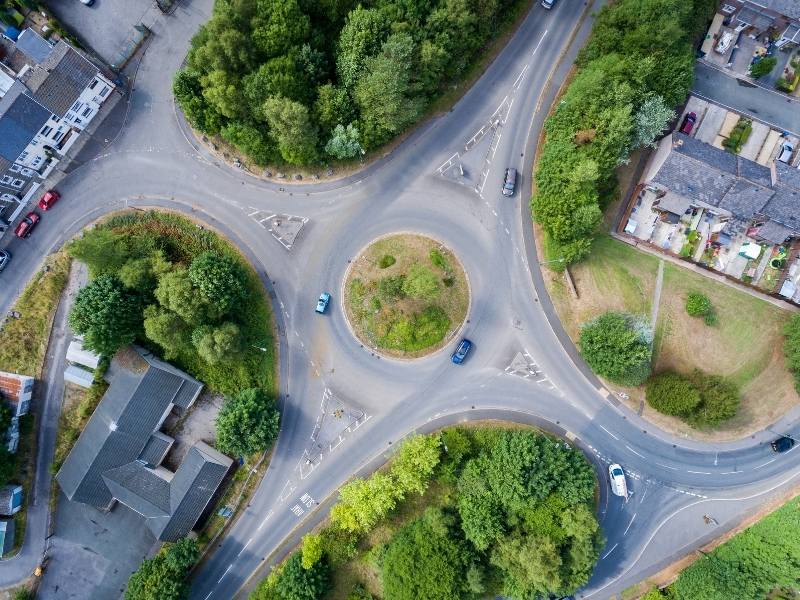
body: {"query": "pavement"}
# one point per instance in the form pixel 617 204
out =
pixel 523 367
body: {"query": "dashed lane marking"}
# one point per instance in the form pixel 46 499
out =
pixel 609 433
pixel 610 551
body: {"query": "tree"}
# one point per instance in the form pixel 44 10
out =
pixel 698 305
pixel 247 423
pixel 344 142
pixel 791 347
pixel 292 129
pixel 220 280
pixel 426 560
pixel 650 121
pixel 217 344
pixel 364 502
pixel 616 347
pixel 672 394
pixel 421 282
pixel 251 140
pixel 719 400
pixel 279 25
pixel 333 107
pixel 103 250
pixel 415 463
pixel 165 576
pixel 361 37
pixel 141 274
pixel 311 550
pixel 531 565
pixel 763 67
pixel 223 92
pixel 298 583
pixel 106 315
pixel 176 292
pixel 166 329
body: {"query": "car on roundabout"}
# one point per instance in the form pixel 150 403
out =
pixel 463 348
pixel 616 477
pixel 782 444
pixel 5 258
pixel 322 303
pixel 509 181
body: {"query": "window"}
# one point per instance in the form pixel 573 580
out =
pixel 24 155
pixel 36 161
pixel 78 121
pixel 76 106
pixel 86 112
pixel 15 168
pixel 6 179
pixel 17 183
pixel 93 84
pixel 58 136
pixel 46 130
pixel 728 9
pixel 104 91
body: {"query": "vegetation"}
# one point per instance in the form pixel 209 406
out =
pixel 301 82
pixel 405 293
pixel 791 347
pixel 74 418
pixel 247 423
pixel 166 575
pixel 702 400
pixel 617 346
pixel 637 65
pixel 512 513
pixel 699 305
pixel 179 289
pixel 763 67
pixel 738 136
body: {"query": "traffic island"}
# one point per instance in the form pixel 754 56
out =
pixel 406 295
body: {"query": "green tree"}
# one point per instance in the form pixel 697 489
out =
pixel 220 279
pixel 426 560
pixel 166 329
pixel 421 282
pixel 364 502
pixel 763 67
pixel 791 347
pixel 223 92
pixel 415 463
pixel 298 583
pixel 531 565
pixel 141 274
pixel 719 400
pixel 311 550
pixel 176 292
pixel 103 250
pixel 278 25
pixel 360 38
pixel 292 129
pixel 247 423
pixel 166 575
pixel 698 305
pixel 672 394
pixel 252 140
pixel 333 107
pixel 616 348
pixel 217 344
pixel 106 315
pixel 276 77
pixel 650 122
pixel 344 142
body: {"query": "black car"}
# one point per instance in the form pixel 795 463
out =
pixel 509 182
pixel 782 444
pixel 5 257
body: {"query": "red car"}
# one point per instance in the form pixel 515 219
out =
pixel 27 224
pixel 49 198
pixel 688 123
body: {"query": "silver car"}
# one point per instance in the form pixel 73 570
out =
pixel 616 477
pixel 785 154
pixel 5 258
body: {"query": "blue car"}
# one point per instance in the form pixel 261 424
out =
pixel 461 352
pixel 322 303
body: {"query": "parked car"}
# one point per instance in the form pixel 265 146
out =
pixel 724 42
pixel 548 4
pixel 322 303
pixel 688 123
pixel 50 197
pixel 617 478
pixel 785 153
pixel 87 2
pixel 461 352
pixel 782 444
pixel 27 224
pixel 509 182
pixel 5 258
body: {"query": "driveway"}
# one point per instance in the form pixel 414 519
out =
pixel 765 105
pixel 102 27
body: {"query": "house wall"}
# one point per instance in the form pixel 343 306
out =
pixel 657 158
pixel 88 103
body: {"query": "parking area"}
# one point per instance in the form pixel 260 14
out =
pixel 103 27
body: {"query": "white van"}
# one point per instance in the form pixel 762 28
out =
pixel 548 4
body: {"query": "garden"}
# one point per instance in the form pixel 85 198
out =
pixel 459 514
pixel 407 295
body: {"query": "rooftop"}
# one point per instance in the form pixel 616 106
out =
pixel 59 80
pixel 21 118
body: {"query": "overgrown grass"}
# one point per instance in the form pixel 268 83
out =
pixel 73 419
pixel 23 341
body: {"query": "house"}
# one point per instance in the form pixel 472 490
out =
pixel 17 391
pixel 687 174
pixel 6 536
pixel 10 500
pixel 118 456
pixel 49 93
pixel 777 18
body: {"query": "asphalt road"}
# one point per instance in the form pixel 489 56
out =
pixel 523 367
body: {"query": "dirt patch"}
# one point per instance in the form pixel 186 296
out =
pixel 397 322
pixel 197 425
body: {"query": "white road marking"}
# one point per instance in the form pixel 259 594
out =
pixel 269 514
pixel 610 551
pixel 225 573
pixel 667 467
pixel 629 524
pixel 766 463
pixel 634 451
pixel 209 595
pixel 539 44
pixel 729 473
pixel 701 472
pixel 507 231
pixel 244 547
pixel 609 433
pixel 520 76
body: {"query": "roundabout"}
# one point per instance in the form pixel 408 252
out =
pixel 521 369
pixel 406 295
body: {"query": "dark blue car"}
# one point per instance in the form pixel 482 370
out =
pixel 461 352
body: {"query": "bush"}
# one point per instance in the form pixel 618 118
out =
pixel 390 288
pixel 616 346
pixel 421 283
pixel 438 259
pixel 719 400
pixel 791 347
pixel 298 583
pixel 763 67
pixel 672 394
pixel 698 305
pixel 386 261
pixel 166 575
pixel 738 136
pixel 417 332
pixel 247 423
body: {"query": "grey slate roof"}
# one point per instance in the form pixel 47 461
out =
pixel 106 462
pixel 59 80
pixel 673 203
pixel 755 17
pixel 710 177
pixel 21 118
pixel 774 233
pixel 790 8
pixel 33 45
pixel 156 449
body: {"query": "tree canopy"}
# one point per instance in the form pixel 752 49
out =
pixel 618 347
pixel 247 423
pixel 166 575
